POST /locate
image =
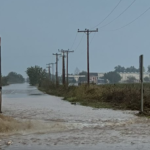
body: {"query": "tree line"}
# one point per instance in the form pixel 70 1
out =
pixel 128 69
pixel 12 78
pixel 115 77
pixel 37 75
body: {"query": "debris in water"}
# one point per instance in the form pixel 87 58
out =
pixel 73 103
pixel 9 142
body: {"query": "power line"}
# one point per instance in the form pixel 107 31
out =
pixel 79 42
pixel 132 20
pixel 74 40
pixel 92 37
pixel 108 14
pixel 119 14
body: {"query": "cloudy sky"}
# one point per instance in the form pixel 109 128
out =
pixel 32 30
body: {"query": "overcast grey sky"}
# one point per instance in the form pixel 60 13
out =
pixel 32 30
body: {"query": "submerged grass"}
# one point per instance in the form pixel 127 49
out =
pixel 8 124
pixel 116 96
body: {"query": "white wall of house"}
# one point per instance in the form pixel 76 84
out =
pixel 93 79
pixel 76 77
pixel 124 76
pixel 100 75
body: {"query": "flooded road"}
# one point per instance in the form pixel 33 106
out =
pixel 48 122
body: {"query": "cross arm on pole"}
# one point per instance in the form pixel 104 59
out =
pixel 87 30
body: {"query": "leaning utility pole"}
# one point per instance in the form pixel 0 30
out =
pixel 49 71
pixel 0 81
pixel 56 67
pixel 87 31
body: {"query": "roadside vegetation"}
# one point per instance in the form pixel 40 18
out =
pixel 124 96
pixel 36 75
pixel 12 78
pixel 4 80
pixel 9 124
pixel 116 96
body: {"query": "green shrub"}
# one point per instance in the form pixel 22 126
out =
pixel 120 96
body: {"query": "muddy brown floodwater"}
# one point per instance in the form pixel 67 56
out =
pixel 48 122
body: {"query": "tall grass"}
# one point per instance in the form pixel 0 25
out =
pixel 8 124
pixel 120 96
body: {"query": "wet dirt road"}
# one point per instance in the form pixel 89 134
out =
pixel 56 124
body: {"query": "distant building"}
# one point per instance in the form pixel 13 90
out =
pixel 93 78
pixel 97 77
pixel 125 75
pixel 76 77
pixel 100 81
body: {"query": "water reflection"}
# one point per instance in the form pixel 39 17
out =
pixel 20 90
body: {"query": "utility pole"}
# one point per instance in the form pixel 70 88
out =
pixel 87 31
pixel 63 66
pixel 141 79
pixel 67 52
pixel 49 71
pixel 0 81
pixel 52 71
pixel 56 54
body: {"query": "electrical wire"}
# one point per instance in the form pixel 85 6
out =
pixel 119 14
pixel 108 14
pixel 132 20
pixel 92 37
pixel 74 40
pixel 79 42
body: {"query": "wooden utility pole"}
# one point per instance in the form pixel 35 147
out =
pixel 56 54
pixel 63 66
pixel 141 80
pixel 0 81
pixel 87 31
pixel 52 71
pixel 67 52
pixel 49 71
pixel 63 69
